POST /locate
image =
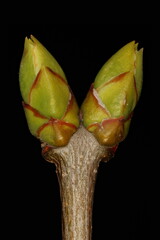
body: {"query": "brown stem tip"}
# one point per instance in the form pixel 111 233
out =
pixel 77 165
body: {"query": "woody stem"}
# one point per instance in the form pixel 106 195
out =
pixel 77 165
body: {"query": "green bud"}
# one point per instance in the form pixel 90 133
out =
pixel 50 107
pixel 108 107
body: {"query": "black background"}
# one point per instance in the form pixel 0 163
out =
pixel 121 202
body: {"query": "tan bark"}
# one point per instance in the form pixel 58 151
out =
pixel 77 165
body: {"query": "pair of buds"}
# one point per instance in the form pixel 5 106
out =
pixel 51 109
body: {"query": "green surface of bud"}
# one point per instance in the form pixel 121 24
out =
pixel 50 107
pixel 108 107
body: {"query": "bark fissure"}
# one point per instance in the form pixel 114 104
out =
pixel 76 167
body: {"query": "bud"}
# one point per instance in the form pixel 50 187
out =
pixel 50 107
pixel 109 105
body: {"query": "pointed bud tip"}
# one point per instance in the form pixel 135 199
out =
pixel 34 40
pixel 137 49
pixel 31 41
pixel 28 43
